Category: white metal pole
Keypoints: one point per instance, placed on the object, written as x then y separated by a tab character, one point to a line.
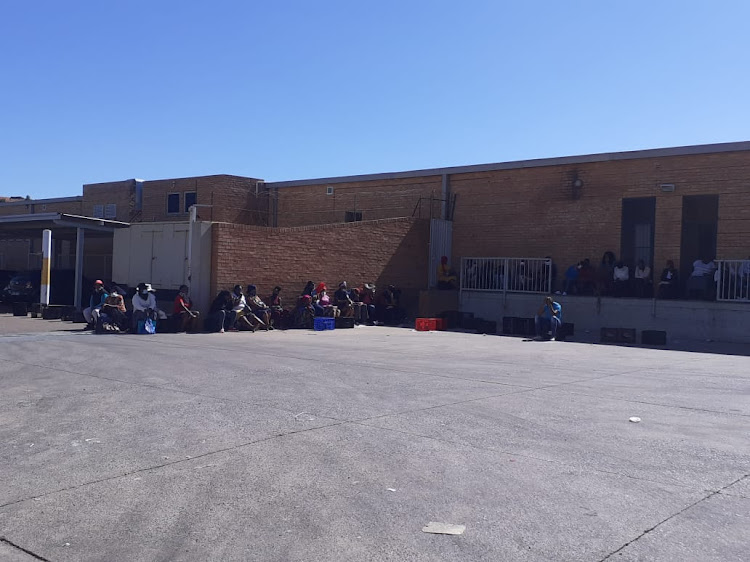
193	215
46	263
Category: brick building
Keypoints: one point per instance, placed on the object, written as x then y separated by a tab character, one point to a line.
675	203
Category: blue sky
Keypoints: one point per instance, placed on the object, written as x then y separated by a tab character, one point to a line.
99	91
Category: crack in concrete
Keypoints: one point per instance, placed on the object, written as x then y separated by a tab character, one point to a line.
4	540
683	510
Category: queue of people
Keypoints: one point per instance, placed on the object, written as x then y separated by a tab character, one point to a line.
240	309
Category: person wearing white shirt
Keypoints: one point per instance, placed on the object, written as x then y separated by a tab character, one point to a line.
144	305
642	279
621	276
701	282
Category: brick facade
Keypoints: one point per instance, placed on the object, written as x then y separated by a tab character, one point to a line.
388	251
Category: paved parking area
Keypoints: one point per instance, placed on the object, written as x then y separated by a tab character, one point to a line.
299	446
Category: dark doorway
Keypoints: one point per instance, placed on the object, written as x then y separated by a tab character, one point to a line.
700	217
637	232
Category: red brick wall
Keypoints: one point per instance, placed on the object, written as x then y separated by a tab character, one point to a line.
120	193
309	204
530	211
384	252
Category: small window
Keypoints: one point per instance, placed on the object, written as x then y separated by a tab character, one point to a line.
329	190
110	211
353	216
190	199
173	204
98	211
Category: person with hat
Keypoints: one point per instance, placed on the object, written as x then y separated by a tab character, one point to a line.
144	305
367	294
98	296
343	301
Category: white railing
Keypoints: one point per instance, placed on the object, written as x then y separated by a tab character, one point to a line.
514	275
733	280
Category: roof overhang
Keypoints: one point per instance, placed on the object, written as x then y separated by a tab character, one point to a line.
60	223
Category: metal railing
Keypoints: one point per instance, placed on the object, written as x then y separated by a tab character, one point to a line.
733	280
512	275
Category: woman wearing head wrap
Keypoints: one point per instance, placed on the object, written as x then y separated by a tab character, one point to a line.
258	309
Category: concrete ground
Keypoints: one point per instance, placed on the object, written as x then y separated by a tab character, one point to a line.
343	445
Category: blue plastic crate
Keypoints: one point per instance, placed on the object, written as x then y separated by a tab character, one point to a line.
322	323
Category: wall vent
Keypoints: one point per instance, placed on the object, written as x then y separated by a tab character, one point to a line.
667	187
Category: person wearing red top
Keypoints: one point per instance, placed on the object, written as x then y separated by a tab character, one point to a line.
185	317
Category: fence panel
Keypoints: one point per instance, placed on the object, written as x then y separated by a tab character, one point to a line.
515	275
733	280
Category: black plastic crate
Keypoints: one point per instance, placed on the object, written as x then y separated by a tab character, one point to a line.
509	325
20	309
653	337
566	330
486	326
344	323
609	335
626	335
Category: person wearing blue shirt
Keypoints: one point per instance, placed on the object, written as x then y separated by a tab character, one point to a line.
98	296
548	319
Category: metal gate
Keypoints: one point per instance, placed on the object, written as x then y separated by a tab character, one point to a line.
441	240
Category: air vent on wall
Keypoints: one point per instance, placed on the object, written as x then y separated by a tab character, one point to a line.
667	187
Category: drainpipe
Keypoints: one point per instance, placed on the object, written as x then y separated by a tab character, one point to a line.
193	218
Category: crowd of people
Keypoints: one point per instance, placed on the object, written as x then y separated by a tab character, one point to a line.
237	310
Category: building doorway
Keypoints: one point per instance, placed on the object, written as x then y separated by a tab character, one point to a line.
700	219
637	232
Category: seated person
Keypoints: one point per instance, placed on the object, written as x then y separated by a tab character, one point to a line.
359	307
98	296
309	289
389	306
446	275
324	303
669	282
185	317
304	313
144	306
621	279
586	279
259	312
700	284
112	316
548	319
238	314
571	278
278	314
343	301
642	279
218	314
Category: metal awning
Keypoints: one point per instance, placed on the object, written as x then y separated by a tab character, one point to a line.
64	225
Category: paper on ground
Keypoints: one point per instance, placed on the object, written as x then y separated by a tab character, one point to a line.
443	528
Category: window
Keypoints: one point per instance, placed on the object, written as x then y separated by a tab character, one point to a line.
173	203
353	216
637	230
190	200
98	211
110	211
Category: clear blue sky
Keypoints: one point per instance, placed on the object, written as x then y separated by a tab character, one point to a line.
96	91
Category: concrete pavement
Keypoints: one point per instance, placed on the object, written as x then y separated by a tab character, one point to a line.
342	445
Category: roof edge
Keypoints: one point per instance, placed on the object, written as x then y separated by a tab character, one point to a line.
533	163
73	199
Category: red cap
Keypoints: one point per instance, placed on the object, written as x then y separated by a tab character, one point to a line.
98	282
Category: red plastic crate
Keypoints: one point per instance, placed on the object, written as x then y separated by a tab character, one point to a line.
427	324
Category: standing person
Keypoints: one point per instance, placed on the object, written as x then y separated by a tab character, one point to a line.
548	319
144	306
185	317
605	274
571	279
98	296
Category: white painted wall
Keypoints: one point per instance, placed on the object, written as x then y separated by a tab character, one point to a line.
682	320
156	253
